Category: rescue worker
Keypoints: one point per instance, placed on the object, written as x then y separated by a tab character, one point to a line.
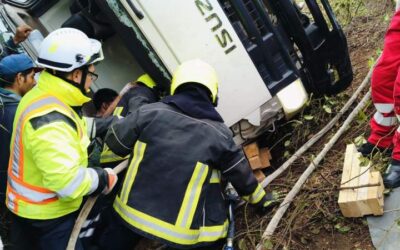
384	87
16	79
48	174
179	150
143	91
102	100
134	95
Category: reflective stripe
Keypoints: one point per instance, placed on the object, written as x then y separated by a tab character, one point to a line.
108	156
87	233
87	223
138	153
90	127
95	180
16	157
215	176
118	111
11	201
192	195
384	107
74	184
256	196
18	189
384	121
28	193
168	231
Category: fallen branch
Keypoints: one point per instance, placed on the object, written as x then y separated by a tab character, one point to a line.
87	207
303	178
317	136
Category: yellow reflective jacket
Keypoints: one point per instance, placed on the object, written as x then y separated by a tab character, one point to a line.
47	173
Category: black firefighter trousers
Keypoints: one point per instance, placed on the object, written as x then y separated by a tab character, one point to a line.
42	234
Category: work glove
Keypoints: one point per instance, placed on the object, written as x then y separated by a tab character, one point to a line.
107	180
368	149
271	200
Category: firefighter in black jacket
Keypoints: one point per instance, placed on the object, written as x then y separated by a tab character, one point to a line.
179	150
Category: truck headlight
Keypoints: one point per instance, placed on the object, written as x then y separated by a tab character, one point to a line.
292	98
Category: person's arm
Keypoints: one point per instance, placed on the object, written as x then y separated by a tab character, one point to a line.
114	104
135	98
98	126
122	135
21	34
61	164
236	169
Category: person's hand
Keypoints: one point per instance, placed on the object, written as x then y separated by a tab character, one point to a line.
112	180
271	200
126	88
22	33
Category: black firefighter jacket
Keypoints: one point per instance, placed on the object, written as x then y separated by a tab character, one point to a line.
172	190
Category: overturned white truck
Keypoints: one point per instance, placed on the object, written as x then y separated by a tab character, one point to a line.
269	55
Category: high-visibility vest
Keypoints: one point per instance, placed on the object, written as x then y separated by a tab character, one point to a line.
48	178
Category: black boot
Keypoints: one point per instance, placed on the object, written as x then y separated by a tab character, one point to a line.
368	149
391	178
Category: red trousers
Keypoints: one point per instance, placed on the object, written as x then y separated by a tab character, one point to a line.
385	86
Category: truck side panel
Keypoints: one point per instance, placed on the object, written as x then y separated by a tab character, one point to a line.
200	29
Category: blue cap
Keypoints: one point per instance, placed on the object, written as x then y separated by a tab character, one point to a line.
14	64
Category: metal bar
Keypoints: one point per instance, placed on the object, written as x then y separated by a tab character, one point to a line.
267	22
255	37
135	10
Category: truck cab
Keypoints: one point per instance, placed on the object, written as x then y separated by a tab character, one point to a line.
269	55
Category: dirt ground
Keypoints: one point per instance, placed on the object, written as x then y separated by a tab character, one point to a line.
314	220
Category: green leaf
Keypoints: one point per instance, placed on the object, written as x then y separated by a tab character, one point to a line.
242	244
268	244
359	140
286	154
315	230
327	109
386	18
364	161
361	117
371	62
387	191
342	229
287	143
398	222
308	117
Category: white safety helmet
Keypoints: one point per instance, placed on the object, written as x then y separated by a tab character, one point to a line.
66	49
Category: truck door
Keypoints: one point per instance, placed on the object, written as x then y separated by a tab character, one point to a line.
326	66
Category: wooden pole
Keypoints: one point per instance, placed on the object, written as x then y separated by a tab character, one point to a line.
317	136
87	207
303	178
